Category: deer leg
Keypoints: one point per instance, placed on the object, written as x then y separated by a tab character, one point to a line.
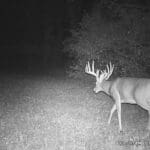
117	106
111	113
119	115
116	96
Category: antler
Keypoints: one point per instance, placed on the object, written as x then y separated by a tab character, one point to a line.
90	70
109	71
105	74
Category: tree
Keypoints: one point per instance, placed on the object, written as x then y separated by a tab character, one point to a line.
118	35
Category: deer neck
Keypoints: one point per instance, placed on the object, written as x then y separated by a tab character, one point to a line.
106	85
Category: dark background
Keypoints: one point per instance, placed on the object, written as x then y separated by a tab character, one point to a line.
32	31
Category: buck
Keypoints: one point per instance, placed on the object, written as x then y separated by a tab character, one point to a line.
122	90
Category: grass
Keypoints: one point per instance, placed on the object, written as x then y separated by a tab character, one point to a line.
54	113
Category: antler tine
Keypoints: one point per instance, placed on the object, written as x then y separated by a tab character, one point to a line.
110	69
93	70
90	70
88	66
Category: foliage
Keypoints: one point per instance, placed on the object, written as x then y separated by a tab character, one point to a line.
120	36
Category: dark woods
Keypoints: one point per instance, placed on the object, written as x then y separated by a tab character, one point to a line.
113	31
39	35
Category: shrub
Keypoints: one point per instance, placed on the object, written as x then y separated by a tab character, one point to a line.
119	38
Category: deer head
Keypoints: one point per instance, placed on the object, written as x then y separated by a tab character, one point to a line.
100	75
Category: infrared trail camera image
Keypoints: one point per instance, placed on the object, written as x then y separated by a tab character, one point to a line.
75	75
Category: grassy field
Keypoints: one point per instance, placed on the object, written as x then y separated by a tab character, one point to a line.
57	113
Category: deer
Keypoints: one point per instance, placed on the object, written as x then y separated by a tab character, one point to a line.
121	89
